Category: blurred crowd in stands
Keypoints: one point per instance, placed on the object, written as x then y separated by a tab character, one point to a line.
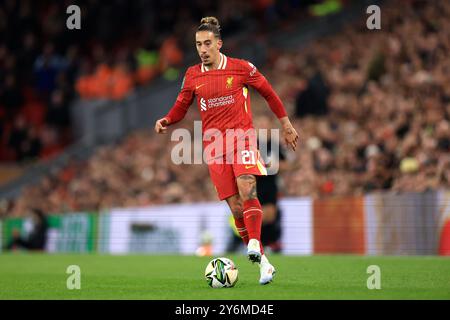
372	109
121	44
35	84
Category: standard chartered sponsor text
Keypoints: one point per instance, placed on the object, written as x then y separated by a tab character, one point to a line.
220	101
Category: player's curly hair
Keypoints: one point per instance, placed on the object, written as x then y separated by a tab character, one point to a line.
210	24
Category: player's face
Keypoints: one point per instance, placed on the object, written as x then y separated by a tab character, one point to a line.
208	47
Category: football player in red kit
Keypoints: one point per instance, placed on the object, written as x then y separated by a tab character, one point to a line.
220	85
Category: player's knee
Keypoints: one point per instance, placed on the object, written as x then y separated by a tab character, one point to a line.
246	195
247	187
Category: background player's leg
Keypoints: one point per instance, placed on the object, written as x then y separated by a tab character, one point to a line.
235	204
271	228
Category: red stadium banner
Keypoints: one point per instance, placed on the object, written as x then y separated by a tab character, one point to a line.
444	224
339	225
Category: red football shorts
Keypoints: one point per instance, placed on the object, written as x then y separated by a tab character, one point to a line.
246	160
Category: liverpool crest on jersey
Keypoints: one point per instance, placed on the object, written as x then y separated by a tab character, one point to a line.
229	82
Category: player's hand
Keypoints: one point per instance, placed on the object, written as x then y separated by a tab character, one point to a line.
290	136
161	125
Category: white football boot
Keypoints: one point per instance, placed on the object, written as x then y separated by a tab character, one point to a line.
267	271
254	251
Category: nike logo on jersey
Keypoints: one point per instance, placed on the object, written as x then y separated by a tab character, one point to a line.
198	87
248	167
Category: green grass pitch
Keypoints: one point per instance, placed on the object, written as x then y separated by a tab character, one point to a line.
43	276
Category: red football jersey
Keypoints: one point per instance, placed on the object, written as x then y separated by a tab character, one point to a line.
223	99
222	95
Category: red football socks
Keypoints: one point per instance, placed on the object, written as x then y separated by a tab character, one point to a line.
240	226
253	220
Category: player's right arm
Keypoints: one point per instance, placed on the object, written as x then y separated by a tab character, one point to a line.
181	106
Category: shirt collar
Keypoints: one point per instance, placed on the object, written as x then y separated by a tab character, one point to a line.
222	64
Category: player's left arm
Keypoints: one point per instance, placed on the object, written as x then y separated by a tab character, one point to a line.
260	83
